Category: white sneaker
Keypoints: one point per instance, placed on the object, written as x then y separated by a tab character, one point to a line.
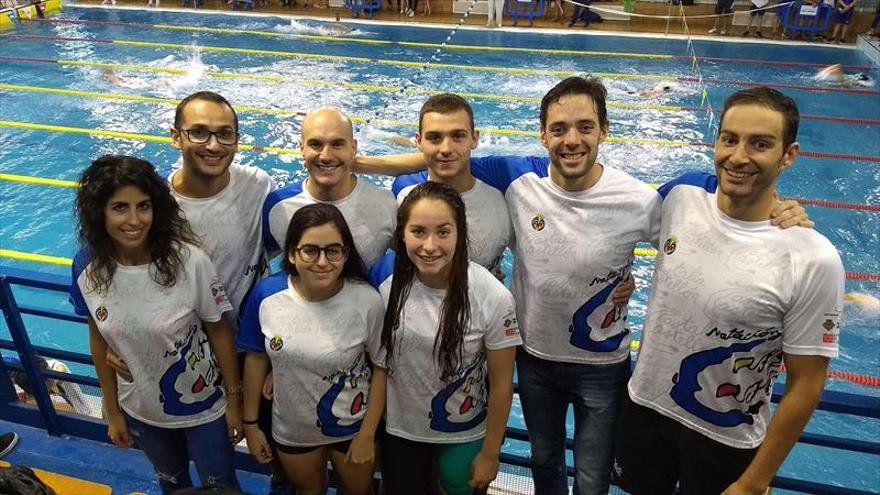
410	13
713	30
105	2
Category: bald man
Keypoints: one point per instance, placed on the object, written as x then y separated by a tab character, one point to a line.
328	151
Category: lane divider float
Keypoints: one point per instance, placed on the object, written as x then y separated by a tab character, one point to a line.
419	65
481	48
394	89
28	179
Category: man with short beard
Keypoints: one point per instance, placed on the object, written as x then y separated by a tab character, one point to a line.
733	299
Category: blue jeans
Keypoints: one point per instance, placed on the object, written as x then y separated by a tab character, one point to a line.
546	388
171	449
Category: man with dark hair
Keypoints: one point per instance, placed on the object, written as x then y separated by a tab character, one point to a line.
446	138
222	201
733	299
575	223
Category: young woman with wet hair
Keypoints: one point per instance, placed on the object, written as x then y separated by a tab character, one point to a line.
154	298
448	345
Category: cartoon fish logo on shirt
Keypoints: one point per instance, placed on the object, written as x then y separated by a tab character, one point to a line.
346	398
184	368
581	332
465	397
686	388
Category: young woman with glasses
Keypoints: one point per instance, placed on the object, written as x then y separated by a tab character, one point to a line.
448	345
313	323
153	297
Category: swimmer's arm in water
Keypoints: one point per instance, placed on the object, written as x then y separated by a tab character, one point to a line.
392	165
403	141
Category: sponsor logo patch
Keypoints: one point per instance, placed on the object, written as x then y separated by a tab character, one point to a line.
276	343
101	313
670	245
538	222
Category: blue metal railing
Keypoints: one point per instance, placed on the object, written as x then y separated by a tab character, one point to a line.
43	415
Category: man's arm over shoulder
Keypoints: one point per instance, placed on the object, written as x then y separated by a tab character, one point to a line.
392	165
500	171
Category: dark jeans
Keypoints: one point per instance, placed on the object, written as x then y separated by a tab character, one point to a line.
171	449
546	388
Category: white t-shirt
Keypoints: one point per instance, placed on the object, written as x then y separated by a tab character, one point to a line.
571	250
319	357
228	225
487	219
421	407
370	212
158	331
727	300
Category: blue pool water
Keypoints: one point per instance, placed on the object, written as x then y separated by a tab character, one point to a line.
38	218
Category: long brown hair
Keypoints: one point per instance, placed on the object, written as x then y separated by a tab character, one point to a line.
455	314
168	232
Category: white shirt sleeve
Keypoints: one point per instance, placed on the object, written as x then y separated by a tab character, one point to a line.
211	301
812	324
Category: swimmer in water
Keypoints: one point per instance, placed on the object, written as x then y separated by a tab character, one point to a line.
834	74
657	90
337	28
111	76
865	303
403	141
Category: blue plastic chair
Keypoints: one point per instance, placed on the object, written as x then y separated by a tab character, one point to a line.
359	6
528	9
797	24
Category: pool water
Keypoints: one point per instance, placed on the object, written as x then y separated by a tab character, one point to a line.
38	218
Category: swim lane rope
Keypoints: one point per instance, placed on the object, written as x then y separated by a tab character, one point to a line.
413	44
422	65
393	89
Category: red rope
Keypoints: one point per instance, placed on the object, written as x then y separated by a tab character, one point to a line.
867	380
863	276
835	204
814	89
826	118
818	154
771	62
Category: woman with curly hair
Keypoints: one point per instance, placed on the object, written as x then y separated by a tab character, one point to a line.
448	344
153	297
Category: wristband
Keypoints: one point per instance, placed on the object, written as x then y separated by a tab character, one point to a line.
246	422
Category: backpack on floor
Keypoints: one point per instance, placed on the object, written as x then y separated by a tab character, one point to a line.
21	480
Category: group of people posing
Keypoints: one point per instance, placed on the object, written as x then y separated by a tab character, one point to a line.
388	328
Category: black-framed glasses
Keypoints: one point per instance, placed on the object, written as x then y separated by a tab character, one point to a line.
333	252
200	135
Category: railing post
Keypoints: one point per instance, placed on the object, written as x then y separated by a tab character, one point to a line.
26	353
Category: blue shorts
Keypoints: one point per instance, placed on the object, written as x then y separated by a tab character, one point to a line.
724	6
844	17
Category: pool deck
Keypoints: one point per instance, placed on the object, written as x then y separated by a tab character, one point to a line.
633	25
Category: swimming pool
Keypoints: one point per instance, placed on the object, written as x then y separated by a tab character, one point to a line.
505	84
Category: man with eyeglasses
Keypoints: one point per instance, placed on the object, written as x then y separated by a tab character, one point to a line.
328	153
221	200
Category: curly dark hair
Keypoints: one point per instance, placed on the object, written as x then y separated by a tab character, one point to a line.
315	215
167	234
455	314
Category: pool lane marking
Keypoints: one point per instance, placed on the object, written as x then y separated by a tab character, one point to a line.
485	48
393	89
277	111
419	65
38	258
286	151
58	260
132	136
29	179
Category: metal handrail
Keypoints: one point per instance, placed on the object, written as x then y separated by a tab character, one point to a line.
45	416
